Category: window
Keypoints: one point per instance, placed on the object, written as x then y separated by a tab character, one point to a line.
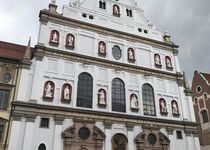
129	12
1	132
102	5
152	139
118	95
84	133
42	147
44	123
205	96
179	134
85	91
198	89
116	52
204	114
119	141
148	100
7	77
4	99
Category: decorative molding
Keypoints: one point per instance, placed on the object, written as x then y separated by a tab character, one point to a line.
108	124
170	130
30	117
129	127
59	120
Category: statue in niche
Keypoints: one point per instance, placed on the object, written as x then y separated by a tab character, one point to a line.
157	60
70	40
55	37
134	101
174	108
163	106
101	97
130	54
102	48
66	92
116	10
48	90
168	62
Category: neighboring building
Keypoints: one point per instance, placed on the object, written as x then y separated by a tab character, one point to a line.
102	78
201	100
13	57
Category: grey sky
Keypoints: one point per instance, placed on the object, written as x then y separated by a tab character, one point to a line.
187	21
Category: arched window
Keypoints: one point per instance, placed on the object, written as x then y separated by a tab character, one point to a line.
85	90
204	115
148	100
118	95
119	142
42	147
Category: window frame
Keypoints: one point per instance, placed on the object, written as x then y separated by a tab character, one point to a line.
85	81
3	100
179	137
118	95
48	124
41	145
2	123
147	94
205	119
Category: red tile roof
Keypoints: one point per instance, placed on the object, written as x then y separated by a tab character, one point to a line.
12	51
206	76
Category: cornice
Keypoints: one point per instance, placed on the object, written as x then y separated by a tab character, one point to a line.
38	109
46	16
42	51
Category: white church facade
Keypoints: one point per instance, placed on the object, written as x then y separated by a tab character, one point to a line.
103	78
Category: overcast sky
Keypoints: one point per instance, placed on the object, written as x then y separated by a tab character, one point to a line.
187	21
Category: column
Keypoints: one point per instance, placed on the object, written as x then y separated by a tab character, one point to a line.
57	132
196	141
130	136
29	130
108	133
15	132
190	142
171	137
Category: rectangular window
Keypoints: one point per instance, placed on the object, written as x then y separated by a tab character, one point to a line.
4	99
44	123
179	134
1	132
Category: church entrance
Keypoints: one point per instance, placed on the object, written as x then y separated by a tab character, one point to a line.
83	135
152	139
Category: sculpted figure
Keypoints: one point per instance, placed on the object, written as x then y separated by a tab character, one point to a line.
102	97
168	62
174	108
102	48
157	60
55	37
70	40
134	102
48	90
116	10
66	92
130	54
163	106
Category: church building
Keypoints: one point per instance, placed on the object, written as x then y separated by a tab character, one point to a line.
102	78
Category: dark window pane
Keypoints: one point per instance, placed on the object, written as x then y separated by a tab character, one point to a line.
148	100
179	134
205	116
4	99
1	132
44	123
116	52
84	133
118	95
42	147
85	91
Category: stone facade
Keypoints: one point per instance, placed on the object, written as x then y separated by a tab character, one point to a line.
201	100
95	84
12	60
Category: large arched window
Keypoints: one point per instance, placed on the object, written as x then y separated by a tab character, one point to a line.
118	95
205	117
119	142
42	147
148	100
85	90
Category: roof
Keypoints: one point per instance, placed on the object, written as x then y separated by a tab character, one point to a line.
206	77
12	51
